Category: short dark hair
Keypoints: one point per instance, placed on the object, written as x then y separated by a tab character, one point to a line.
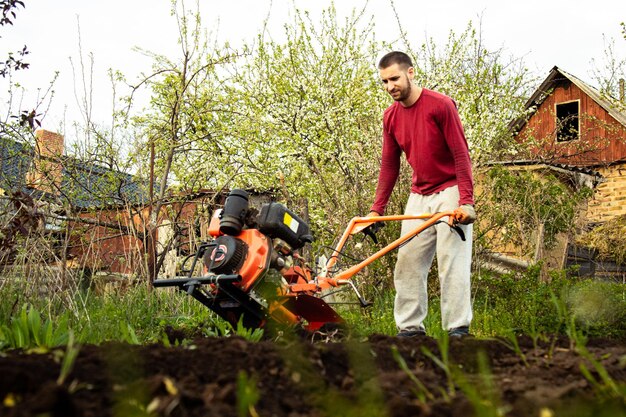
395	57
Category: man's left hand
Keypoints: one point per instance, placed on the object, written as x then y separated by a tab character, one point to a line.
463	215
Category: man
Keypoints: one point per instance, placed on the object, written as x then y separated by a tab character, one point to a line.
426	126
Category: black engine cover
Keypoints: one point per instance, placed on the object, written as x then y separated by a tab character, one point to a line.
277	221
225	255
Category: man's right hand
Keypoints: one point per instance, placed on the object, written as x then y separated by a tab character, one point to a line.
373	228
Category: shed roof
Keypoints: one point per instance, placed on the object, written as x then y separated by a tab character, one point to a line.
557	75
580	175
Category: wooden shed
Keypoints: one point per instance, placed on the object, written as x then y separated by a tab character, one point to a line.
576	134
569	122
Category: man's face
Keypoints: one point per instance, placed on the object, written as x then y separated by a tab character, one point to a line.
397	81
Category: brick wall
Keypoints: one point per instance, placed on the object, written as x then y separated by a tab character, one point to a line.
49	143
46	172
609	198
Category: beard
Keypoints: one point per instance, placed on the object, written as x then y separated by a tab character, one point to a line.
404	92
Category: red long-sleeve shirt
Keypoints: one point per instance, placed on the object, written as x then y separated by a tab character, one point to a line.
430	134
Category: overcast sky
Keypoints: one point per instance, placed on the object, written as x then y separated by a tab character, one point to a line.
567	33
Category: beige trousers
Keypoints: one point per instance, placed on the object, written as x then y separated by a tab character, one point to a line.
454	258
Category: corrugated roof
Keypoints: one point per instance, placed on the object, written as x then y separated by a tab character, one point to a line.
15	159
83	184
587	176
528	162
91	185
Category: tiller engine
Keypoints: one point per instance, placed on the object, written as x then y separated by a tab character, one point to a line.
253	272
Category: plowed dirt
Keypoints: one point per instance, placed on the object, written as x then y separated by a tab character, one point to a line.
301	378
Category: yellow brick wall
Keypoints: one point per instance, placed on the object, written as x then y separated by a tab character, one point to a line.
609	198
46	172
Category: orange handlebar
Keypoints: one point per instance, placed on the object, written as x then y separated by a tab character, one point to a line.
356	225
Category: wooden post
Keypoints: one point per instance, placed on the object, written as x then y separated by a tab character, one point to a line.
539	250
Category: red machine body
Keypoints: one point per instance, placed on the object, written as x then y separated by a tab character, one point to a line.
253	272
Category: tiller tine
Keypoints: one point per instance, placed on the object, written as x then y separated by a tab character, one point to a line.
312	309
226	299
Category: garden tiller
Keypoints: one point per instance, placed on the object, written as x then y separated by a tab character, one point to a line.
253	272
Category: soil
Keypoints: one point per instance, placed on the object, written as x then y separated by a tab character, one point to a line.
215	376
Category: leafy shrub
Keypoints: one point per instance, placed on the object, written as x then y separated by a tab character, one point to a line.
519	302
517	204
27	331
600	307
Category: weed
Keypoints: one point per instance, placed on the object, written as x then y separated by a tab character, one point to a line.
220	328
252	335
443	342
568	320
125	370
604	385
366	398
165	340
482	392
127	334
535	334
69	358
510	341
27	331
420	391
247	395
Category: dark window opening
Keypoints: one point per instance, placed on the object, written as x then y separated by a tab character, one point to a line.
567	121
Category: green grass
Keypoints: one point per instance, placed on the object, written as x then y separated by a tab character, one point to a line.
136	315
26	330
516	304
504	306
